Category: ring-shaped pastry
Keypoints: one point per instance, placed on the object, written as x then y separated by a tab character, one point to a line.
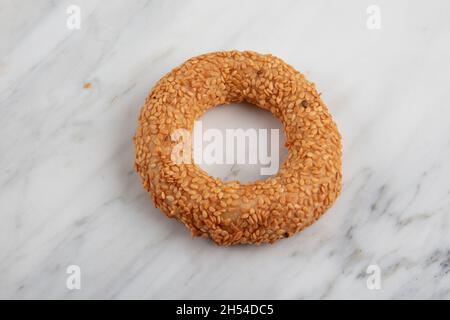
231	212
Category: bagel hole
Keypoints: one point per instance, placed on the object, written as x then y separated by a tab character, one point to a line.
239	122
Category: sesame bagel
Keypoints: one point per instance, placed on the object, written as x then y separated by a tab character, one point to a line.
231	212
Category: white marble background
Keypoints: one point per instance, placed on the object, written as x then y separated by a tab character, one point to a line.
69	195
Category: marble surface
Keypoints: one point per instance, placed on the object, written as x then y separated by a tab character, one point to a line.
69	195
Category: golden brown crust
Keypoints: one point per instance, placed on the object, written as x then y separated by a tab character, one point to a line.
230	212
